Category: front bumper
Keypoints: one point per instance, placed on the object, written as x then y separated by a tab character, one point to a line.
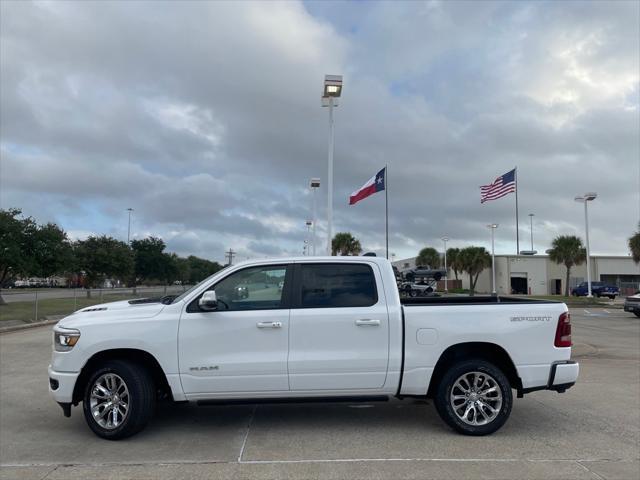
632	307
61	385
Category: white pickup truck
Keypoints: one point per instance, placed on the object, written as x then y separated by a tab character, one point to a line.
309	329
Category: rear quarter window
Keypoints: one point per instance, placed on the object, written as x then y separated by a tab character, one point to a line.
337	285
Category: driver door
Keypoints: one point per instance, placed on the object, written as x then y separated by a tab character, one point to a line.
242	346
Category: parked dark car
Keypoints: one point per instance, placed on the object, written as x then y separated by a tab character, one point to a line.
632	304
598	289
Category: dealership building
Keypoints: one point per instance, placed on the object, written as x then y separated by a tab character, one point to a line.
538	275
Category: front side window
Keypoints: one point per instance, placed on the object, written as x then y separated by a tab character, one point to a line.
255	288
337	285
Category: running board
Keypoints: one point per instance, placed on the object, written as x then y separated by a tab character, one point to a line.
258	401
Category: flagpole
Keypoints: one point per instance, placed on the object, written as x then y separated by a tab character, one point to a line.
517	224
386	205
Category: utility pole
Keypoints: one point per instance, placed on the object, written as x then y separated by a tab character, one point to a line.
230	254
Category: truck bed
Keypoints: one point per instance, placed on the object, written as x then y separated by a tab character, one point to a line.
469	300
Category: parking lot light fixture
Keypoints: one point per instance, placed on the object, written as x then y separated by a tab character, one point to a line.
332	91
314	183
129	227
531	215
445	239
493	227
586	198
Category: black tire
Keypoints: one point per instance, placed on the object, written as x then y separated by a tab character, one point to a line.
637	314
443	393
142	399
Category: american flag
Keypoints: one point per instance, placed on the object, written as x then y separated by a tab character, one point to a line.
499	188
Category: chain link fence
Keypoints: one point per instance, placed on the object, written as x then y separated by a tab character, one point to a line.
35	305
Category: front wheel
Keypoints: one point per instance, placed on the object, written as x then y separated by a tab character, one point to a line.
119	399
474	397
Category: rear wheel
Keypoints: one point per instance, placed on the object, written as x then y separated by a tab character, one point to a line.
474	397
119	399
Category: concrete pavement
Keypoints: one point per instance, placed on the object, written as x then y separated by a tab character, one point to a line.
592	431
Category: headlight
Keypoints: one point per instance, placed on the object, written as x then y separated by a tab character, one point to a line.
65	339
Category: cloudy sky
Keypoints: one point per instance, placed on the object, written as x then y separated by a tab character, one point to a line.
205	118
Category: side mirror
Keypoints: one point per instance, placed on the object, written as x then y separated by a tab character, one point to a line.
208	301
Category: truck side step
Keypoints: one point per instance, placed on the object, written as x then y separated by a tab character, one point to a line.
259	401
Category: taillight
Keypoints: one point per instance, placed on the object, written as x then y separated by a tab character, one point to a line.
563	331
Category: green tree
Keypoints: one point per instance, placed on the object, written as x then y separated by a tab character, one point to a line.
345	244
103	257
199	268
16	245
52	251
567	249
183	270
428	256
453	260
474	260
634	245
150	261
169	267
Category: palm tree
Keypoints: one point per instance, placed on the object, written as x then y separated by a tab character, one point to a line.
567	249
634	245
474	260
453	260
428	256
345	244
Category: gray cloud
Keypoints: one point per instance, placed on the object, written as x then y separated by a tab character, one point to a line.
205	118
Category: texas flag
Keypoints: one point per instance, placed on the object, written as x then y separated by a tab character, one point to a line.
373	185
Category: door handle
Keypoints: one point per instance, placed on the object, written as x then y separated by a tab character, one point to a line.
367	323
269	324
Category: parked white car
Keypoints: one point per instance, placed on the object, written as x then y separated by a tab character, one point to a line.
337	330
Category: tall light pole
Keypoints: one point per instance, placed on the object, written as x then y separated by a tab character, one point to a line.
314	184
586	198
493	227
445	239
332	91
129	227
308	223
531	215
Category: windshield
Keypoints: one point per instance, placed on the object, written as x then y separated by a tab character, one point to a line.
187	292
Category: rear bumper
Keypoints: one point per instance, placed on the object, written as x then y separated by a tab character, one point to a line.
562	376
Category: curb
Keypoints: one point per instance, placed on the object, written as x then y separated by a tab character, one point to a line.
26	326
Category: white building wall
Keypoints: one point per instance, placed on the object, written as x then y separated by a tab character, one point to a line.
541	272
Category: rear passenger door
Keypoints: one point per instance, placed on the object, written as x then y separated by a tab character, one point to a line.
339	328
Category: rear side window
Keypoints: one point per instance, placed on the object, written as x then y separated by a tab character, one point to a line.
337	285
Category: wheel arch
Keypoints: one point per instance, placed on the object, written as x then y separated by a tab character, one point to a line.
137	356
487	351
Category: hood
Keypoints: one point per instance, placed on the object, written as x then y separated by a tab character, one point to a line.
113	310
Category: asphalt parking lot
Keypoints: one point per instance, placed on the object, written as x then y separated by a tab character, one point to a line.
590	432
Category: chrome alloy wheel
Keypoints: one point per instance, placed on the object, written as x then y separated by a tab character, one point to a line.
476	398
109	401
